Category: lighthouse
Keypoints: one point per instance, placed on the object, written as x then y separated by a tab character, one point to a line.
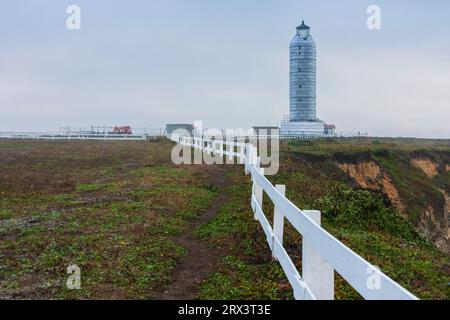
302	120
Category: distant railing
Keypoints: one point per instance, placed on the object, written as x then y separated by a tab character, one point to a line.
74	136
322	254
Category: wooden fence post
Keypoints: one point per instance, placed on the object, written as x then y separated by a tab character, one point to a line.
247	158
278	218
317	273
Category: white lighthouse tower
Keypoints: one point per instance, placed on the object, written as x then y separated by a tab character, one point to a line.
302	121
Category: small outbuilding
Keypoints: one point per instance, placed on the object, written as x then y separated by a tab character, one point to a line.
330	130
186	127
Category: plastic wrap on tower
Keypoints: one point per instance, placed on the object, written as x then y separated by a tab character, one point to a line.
302	76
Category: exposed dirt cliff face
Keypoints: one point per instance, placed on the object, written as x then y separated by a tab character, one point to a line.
370	176
426	165
435	229
431	224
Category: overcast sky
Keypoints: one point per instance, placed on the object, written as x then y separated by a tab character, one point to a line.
226	62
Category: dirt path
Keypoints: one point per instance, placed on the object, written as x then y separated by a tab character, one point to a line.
200	260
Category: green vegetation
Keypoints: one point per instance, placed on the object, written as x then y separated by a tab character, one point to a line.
96	187
368	224
365	220
350	146
365	210
246	270
5	214
245	282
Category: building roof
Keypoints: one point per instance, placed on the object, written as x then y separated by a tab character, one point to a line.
180	124
265	127
303	26
330	126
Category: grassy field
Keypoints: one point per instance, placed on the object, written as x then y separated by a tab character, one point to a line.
110	208
132	221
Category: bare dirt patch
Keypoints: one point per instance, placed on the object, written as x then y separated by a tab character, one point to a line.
427	166
201	259
369	175
435	230
439	231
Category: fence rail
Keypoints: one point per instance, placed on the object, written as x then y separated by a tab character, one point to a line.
322	253
74	136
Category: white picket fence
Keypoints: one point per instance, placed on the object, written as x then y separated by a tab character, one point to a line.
322	254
